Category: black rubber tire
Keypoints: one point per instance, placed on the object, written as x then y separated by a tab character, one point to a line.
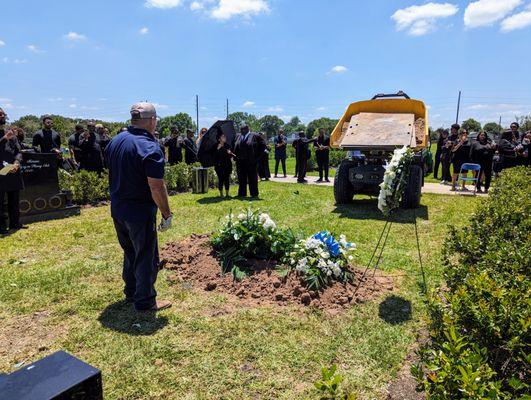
343	190
411	197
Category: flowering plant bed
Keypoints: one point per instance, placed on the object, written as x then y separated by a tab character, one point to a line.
395	180
193	262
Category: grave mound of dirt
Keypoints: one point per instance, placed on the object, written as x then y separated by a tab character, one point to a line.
194	261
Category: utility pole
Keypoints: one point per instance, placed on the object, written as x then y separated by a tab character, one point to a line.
458	106
227	108
197	114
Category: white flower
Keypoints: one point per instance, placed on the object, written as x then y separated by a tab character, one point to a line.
236	237
241	217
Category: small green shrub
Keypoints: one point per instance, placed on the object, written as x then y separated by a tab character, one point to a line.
86	187
178	177
329	386
336	156
487	268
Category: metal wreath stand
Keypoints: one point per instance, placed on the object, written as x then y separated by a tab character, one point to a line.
380	246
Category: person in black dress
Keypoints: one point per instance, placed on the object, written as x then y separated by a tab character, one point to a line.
460	156
10	184
92	158
280	142
174	146
190	148
322	154
263	163
443	134
303	154
248	148
47	140
509	148
482	153
446	157
223	163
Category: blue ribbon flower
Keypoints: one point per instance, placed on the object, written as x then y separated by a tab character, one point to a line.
330	242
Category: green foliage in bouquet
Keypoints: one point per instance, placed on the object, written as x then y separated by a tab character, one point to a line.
250	235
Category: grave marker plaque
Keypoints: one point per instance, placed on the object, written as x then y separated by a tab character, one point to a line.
42	198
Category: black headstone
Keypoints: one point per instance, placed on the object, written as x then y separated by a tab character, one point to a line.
59	376
42	198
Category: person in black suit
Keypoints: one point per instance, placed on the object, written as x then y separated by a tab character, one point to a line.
248	149
10	184
47	140
322	154
174	145
303	154
92	156
443	135
190	148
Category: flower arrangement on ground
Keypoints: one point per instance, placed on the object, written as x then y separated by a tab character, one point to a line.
251	234
395	180
321	259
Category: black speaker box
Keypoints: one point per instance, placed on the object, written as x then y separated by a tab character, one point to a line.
59	376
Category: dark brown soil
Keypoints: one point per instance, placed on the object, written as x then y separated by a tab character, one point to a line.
403	387
194	261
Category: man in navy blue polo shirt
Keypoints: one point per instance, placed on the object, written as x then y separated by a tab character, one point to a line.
136	172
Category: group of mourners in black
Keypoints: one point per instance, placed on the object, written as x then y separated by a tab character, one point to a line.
251	155
455	148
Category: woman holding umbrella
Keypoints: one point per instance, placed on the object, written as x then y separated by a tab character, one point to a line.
223	163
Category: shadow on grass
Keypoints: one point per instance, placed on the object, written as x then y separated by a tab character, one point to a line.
217	199
368	209
122	317
395	310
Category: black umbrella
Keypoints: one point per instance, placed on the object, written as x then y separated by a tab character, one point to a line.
208	143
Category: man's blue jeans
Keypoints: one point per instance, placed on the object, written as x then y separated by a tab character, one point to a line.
141	260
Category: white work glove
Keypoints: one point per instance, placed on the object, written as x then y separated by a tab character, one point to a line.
165	224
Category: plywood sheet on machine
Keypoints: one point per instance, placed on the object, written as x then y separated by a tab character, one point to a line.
368	130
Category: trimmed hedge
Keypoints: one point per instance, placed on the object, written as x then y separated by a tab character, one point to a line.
479	326
89	187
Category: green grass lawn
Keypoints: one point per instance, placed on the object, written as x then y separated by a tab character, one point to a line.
60	288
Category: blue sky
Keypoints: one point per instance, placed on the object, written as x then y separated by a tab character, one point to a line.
285	57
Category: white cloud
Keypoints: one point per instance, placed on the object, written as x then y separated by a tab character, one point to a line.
420	20
195	5
5	100
478	107
2	43
320	108
517	21
275	109
162	3
7	60
73	106
143	31
55	99
338	69
226	9
160	106
34	49
486	12
74	37
248	104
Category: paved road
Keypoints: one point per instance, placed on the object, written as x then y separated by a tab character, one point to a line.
429	187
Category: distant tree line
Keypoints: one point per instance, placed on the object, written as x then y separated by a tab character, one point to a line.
270	124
